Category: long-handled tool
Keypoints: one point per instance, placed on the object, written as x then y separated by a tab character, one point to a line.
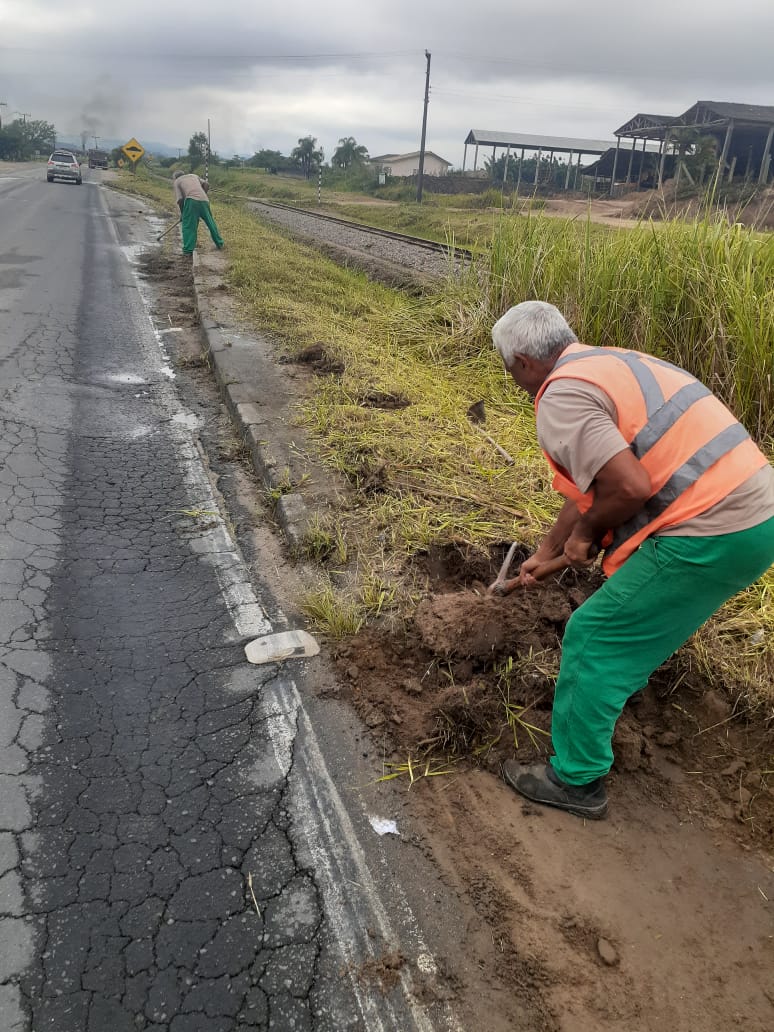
477	415
503	585
169	230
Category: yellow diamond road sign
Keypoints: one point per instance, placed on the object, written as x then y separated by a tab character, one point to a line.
133	150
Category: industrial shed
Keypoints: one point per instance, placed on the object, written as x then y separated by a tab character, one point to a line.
744	134
543	146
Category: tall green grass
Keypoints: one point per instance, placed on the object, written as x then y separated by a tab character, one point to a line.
699	294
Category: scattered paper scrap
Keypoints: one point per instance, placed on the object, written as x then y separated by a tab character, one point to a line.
384	827
272	648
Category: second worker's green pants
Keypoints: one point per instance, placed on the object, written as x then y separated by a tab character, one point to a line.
192	212
649	607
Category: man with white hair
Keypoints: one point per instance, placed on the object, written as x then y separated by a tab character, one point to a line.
658	474
193	202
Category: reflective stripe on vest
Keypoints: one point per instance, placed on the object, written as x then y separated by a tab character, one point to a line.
644	425
681	479
651	392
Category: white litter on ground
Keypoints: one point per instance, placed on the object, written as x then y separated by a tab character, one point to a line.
383	827
272	648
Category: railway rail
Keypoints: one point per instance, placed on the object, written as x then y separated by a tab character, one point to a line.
396	259
449	250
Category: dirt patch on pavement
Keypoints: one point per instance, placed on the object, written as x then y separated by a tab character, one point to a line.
383	971
663	916
174	304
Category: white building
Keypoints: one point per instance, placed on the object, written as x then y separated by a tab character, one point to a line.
408	164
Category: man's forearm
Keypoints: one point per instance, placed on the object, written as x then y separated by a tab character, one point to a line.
607	514
621	489
553	543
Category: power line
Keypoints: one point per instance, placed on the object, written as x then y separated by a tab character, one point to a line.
214	56
533	99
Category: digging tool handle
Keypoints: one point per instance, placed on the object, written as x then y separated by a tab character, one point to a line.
548	569
540	573
169	230
508	458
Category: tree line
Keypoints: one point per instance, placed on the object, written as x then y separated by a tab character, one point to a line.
20	140
307	157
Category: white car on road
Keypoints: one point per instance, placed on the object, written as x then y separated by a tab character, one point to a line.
63	165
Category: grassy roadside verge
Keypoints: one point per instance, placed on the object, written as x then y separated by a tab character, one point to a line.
421	473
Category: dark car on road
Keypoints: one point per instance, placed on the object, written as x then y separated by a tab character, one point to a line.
63	165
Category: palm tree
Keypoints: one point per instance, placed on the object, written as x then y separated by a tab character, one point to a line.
348	153
307	155
697	152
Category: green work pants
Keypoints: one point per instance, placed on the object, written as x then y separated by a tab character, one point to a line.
192	212
649	607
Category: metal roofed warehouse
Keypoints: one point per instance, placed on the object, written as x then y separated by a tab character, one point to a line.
574	147
743	133
514	141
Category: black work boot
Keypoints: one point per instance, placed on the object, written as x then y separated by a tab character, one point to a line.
541	784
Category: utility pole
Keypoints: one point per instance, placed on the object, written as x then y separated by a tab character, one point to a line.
3	103
424	131
209	148
96	142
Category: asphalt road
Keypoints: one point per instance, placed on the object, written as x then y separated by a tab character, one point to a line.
174	851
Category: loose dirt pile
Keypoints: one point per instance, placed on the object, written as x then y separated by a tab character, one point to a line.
468	625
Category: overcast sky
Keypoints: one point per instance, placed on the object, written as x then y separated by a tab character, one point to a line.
267	75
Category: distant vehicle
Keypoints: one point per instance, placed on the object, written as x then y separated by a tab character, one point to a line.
63	165
98	159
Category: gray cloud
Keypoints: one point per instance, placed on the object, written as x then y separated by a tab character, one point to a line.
270	76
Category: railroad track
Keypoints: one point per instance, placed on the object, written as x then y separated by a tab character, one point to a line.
459	253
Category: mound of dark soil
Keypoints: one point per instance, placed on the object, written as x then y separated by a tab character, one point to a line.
468	625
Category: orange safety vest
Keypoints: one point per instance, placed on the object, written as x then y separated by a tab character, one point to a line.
693	448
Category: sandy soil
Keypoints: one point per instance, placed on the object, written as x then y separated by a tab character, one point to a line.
629	209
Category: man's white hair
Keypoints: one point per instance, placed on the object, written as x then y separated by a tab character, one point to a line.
177	173
533	328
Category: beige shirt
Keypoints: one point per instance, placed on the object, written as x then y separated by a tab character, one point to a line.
189	185
577	425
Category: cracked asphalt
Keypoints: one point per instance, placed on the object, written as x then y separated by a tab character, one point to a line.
173	854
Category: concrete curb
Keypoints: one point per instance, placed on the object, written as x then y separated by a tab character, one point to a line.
232	357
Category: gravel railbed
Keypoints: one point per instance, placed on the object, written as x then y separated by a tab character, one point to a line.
349	240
